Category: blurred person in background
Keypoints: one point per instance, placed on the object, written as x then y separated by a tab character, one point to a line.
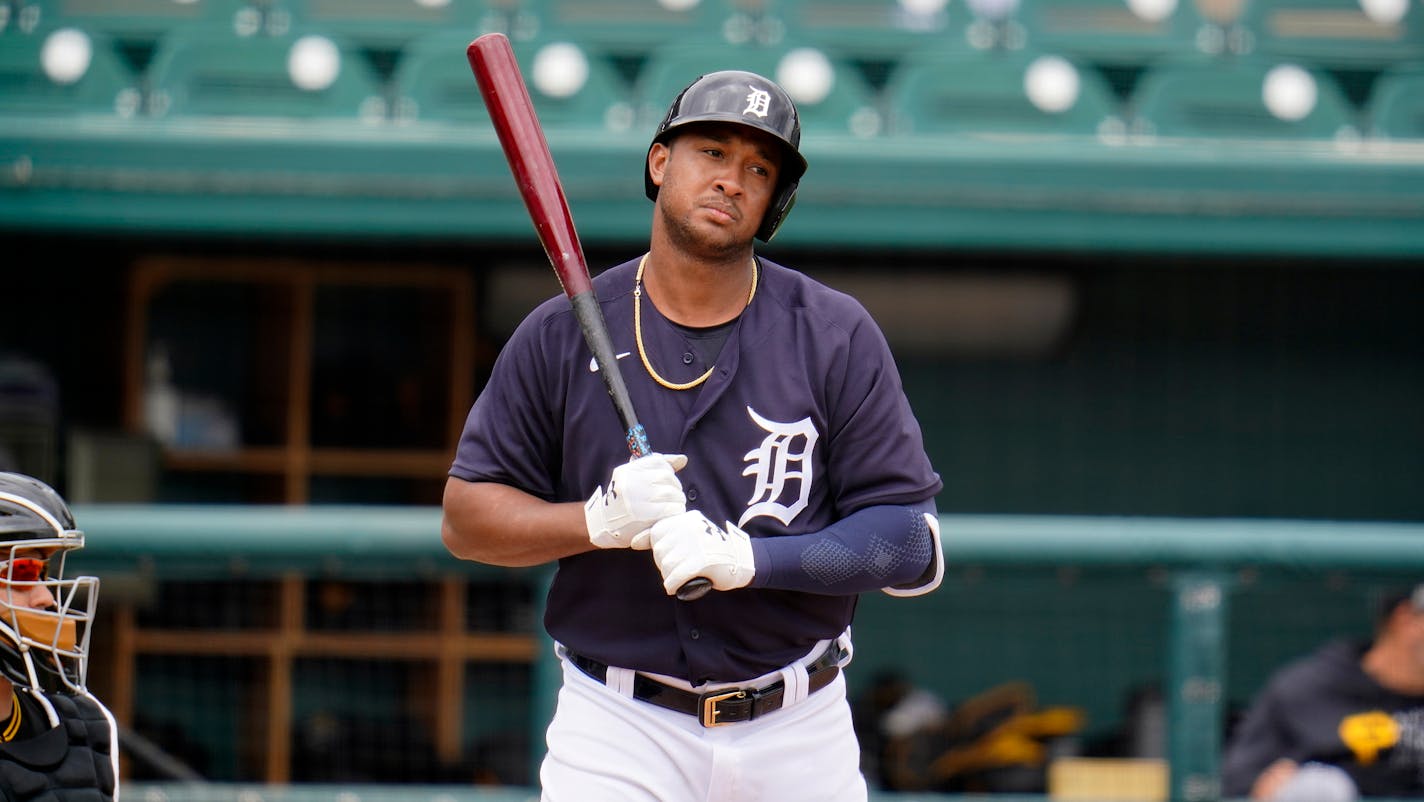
57	742
1344	722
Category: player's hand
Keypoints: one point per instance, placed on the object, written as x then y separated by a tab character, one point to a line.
1273	779
689	545
640	493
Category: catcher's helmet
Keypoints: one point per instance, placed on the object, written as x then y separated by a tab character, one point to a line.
749	99
47	648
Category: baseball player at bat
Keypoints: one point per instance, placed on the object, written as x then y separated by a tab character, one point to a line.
1344	722
791	474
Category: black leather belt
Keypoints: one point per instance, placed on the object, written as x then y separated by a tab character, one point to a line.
725	705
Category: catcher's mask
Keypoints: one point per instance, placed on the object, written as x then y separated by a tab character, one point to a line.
748	99
45	619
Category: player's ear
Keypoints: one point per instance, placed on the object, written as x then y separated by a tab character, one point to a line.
657	162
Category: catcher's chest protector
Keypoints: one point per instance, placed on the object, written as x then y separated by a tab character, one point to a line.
69	763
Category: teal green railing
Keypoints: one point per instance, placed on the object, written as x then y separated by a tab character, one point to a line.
1200	568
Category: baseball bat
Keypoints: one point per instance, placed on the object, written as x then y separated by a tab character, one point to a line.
527	151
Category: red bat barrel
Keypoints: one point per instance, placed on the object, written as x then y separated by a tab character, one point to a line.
512	112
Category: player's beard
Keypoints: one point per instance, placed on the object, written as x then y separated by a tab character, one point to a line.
684	234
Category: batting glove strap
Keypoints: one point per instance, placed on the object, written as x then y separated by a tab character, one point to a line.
638	494
689	545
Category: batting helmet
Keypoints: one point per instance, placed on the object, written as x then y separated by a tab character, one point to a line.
748	99
41	648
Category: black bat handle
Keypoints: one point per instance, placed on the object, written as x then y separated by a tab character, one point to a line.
595	333
694	589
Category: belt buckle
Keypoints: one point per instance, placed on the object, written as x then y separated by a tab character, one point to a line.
710	711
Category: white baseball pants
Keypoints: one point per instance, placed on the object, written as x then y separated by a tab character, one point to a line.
607	747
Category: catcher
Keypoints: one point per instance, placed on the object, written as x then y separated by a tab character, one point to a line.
57	742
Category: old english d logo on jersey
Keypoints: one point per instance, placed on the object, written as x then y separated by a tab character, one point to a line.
782	468
758	102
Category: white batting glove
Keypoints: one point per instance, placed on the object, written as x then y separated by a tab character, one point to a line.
639	493
689	545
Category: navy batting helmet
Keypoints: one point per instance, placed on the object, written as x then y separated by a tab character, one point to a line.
41	647
748	99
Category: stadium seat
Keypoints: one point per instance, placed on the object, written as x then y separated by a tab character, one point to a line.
629	28
1109	31
103	85
143	19
1018	92
1215	97
217	73
1396	105
394	23
1335	33
846	106
871	30
433	82
20	16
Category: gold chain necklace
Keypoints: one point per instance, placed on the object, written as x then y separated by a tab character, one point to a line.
638	329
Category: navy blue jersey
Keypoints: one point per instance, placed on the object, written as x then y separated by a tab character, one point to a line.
802	422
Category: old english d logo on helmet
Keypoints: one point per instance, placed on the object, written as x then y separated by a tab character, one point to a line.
748	99
757	102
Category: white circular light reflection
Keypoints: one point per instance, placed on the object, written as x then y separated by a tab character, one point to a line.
313	63
1052	84
679	5
924	7
1289	92
560	70
1152	10
1385	12
432	3
806	75
66	55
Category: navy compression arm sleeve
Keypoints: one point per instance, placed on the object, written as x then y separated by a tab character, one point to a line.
874	548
